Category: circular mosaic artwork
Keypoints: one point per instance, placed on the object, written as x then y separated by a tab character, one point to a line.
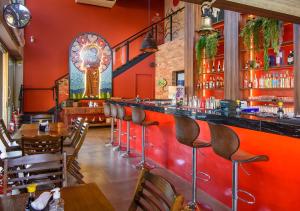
90	51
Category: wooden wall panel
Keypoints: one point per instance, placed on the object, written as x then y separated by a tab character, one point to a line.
297	67
231	55
279	9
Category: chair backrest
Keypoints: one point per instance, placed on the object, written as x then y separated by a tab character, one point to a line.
113	110
78	143
121	112
4	129
44	169
106	108
187	130
153	192
76	128
138	115
41	117
224	140
41	145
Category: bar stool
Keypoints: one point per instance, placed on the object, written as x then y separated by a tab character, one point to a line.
115	114
107	114
127	118
138	118
187	132
225	143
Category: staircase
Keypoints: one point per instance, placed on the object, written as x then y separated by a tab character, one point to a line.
126	54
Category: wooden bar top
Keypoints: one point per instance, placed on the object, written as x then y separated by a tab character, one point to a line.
77	198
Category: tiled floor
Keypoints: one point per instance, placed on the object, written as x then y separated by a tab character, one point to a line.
116	176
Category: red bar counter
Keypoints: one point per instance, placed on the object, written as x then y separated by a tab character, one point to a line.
275	183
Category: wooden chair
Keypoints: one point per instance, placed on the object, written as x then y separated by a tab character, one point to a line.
45	170
41	145
6	134
72	153
41	117
155	193
74	132
7	150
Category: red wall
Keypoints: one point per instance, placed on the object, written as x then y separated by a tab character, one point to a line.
55	23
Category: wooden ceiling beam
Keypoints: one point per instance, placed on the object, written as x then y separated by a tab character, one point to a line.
286	10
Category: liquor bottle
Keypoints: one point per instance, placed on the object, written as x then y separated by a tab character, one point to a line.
287	81
292	81
246	66
218	82
246	82
219	66
208	68
278	59
290	59
255	82
223	67
281	81
213	67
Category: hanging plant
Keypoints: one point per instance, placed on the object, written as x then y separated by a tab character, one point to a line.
271	32
210	44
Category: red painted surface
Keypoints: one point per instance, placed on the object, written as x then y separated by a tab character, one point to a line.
275	183
135	81
56	23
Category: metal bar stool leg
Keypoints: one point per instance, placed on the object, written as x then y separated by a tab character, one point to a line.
112	125
235	170
118	148
143	164
193	204
128	153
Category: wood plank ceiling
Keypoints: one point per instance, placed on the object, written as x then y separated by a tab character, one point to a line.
287	10
101	3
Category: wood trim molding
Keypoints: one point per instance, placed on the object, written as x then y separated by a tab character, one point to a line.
189	36
297	68
231	55
278	9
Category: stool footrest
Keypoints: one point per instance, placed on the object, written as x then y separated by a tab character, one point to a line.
251	196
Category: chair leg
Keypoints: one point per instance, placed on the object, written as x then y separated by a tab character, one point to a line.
235	169
193	204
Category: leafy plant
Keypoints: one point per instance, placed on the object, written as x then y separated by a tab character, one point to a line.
200	45
271	31
211	47
210	44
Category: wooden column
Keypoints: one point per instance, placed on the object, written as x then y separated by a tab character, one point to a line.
231	55
191	23
297	68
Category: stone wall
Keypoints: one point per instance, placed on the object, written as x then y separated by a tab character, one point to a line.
168	59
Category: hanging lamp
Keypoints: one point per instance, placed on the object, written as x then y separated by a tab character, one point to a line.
149	44
206	18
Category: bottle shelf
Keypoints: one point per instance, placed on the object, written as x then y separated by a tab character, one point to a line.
271	68
269	101
214	89
275	89
214	73
284	44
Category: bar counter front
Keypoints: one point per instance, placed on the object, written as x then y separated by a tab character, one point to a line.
268	181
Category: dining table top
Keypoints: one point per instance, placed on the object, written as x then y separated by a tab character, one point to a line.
58	129
76	198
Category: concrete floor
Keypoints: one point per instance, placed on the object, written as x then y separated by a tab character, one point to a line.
116	176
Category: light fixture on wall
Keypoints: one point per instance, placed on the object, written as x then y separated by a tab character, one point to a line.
16	15
206	18
149	44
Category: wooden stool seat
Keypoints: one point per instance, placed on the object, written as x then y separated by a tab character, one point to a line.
201	144
245	157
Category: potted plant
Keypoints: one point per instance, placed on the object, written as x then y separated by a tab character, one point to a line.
265	29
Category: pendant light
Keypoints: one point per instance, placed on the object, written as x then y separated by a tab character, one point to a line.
206	18
149	44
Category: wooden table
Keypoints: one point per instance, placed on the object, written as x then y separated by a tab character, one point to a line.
58	130
87	197
32	130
